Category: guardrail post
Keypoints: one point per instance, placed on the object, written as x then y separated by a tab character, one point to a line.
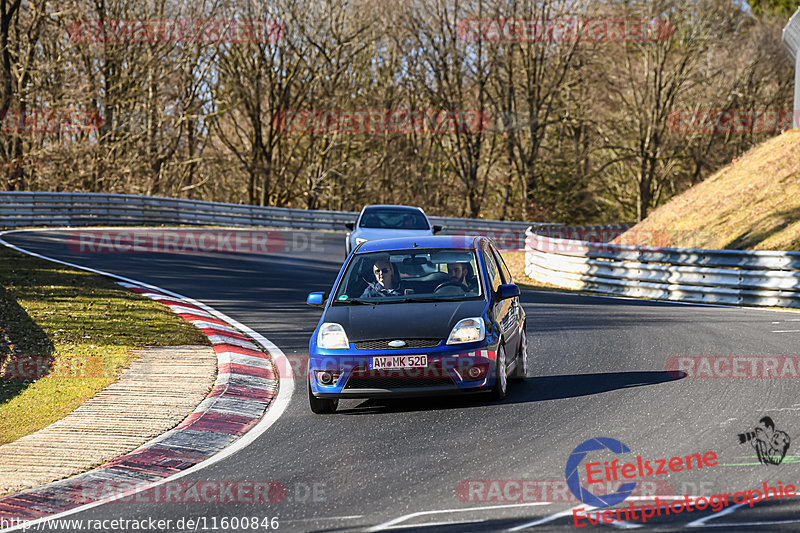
797	91
791	40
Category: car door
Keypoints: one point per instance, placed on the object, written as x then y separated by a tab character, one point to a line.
516	312
503	311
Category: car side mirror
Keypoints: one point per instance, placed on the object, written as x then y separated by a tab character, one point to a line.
350	225
317	299
509	290
437	228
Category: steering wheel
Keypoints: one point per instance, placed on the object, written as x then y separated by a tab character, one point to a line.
450	284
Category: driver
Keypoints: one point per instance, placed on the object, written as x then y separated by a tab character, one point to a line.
387	278
458	274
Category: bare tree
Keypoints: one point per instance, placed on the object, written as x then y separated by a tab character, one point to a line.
19	35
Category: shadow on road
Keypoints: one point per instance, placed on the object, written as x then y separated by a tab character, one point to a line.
531	390
575	385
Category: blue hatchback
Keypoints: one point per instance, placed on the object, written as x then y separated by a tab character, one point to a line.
417	316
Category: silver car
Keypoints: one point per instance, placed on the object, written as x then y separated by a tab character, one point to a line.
386	222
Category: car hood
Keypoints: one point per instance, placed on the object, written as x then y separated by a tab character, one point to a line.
424	320
373	234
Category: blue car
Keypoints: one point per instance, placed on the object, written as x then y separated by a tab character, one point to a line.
417	316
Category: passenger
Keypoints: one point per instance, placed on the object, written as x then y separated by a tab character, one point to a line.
387	277
461	273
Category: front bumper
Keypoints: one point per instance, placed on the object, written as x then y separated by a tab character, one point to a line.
447	372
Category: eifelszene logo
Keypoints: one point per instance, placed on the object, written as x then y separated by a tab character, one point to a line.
617	471
573	480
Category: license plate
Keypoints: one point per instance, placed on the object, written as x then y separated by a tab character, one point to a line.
398	361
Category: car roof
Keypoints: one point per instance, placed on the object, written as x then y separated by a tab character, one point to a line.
393	206
460	242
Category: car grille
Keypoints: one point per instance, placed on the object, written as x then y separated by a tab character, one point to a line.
362	378
383	344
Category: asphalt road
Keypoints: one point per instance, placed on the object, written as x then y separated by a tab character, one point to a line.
596	366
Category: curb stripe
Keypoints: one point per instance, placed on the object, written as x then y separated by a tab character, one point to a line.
245	387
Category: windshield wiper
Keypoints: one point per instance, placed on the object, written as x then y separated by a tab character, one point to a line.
354	301
426	299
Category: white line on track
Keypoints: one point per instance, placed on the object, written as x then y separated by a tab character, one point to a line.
677	302
743	524
544	520
400	519
701	522
620	524
786	331
326	518
274	411
443	523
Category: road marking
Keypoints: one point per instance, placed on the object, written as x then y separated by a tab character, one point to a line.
742	524
621	524
275	410
326	518
656	300
786	331
432	524
701	522
403	518
549	518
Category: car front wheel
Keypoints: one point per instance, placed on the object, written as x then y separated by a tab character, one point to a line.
521	370
321	406
501	379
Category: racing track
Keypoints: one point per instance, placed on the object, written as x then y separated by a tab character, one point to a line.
598	365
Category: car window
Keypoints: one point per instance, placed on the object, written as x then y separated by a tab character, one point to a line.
407	275
491	268
394	219
505	273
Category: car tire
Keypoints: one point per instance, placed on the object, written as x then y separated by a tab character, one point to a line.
521	370
501	378
321	406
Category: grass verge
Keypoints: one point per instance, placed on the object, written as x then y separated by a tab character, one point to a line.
65	335
752	204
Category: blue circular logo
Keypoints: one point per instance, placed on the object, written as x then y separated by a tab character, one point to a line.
574	482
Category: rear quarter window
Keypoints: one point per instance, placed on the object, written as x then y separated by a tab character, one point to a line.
504	271
491	268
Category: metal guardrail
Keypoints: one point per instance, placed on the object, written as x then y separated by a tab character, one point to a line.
712	276
23	209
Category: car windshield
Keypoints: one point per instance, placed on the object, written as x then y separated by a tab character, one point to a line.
394	219
409	275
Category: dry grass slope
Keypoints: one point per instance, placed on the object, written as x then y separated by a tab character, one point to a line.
752	204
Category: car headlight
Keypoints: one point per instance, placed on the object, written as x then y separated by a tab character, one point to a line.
331	336
360	240
467	330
